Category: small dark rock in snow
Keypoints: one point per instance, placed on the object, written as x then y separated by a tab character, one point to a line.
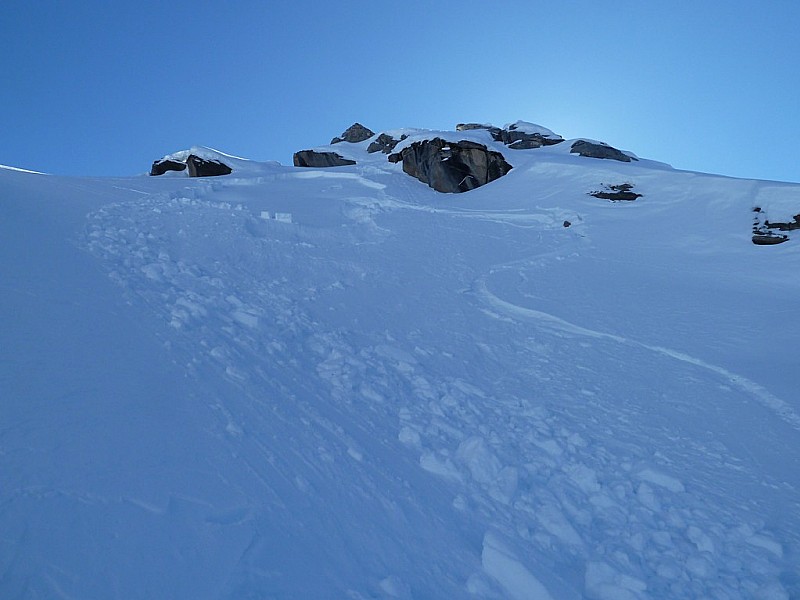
567	223
599	150
452	167
312	158
166	164
354	134
201	167
384	143
617	192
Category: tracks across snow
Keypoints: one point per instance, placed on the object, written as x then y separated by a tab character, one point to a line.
362	351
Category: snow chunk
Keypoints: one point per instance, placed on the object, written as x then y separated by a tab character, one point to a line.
603	582
475	454
499	562
660	479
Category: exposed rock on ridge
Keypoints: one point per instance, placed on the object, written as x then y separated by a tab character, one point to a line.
599	150
166	164
384	143
517	136
451	167
198	167
201	167
313	158
354	134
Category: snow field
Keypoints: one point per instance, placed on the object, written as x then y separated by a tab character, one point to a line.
404	395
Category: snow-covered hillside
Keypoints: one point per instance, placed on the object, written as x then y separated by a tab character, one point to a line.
339	383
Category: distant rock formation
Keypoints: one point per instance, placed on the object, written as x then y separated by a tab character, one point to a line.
599	150
451	167
354	134
165	164
384	143
312	158
201	167
198	167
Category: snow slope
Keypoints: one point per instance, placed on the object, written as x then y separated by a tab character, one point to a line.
397	393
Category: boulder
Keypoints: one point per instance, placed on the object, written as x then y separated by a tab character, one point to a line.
354	134
599	150
616	193
384	143
312	158
166	164
451	167
202	167
525	136
769	239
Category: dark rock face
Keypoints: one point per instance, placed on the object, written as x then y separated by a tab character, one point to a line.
312	158
201	167
452	167
592	150
384	143
617	193
354	134
517	139
162	166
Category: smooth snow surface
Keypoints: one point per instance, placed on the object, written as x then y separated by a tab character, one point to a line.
393	393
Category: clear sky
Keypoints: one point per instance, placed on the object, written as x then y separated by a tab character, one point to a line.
106	87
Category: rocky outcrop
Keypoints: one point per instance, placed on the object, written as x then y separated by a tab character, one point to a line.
526	136
354	134
616	193
384	143
312	158
197	166
202	167
166	164
451	167
599	150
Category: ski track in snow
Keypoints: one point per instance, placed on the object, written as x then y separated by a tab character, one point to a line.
778	406
562	488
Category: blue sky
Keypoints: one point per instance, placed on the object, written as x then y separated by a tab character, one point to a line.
104	88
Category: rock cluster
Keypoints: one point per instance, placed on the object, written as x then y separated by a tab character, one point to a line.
451	167
384	143
517	136
197	166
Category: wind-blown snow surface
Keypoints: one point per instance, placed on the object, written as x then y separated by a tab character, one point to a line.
398	394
